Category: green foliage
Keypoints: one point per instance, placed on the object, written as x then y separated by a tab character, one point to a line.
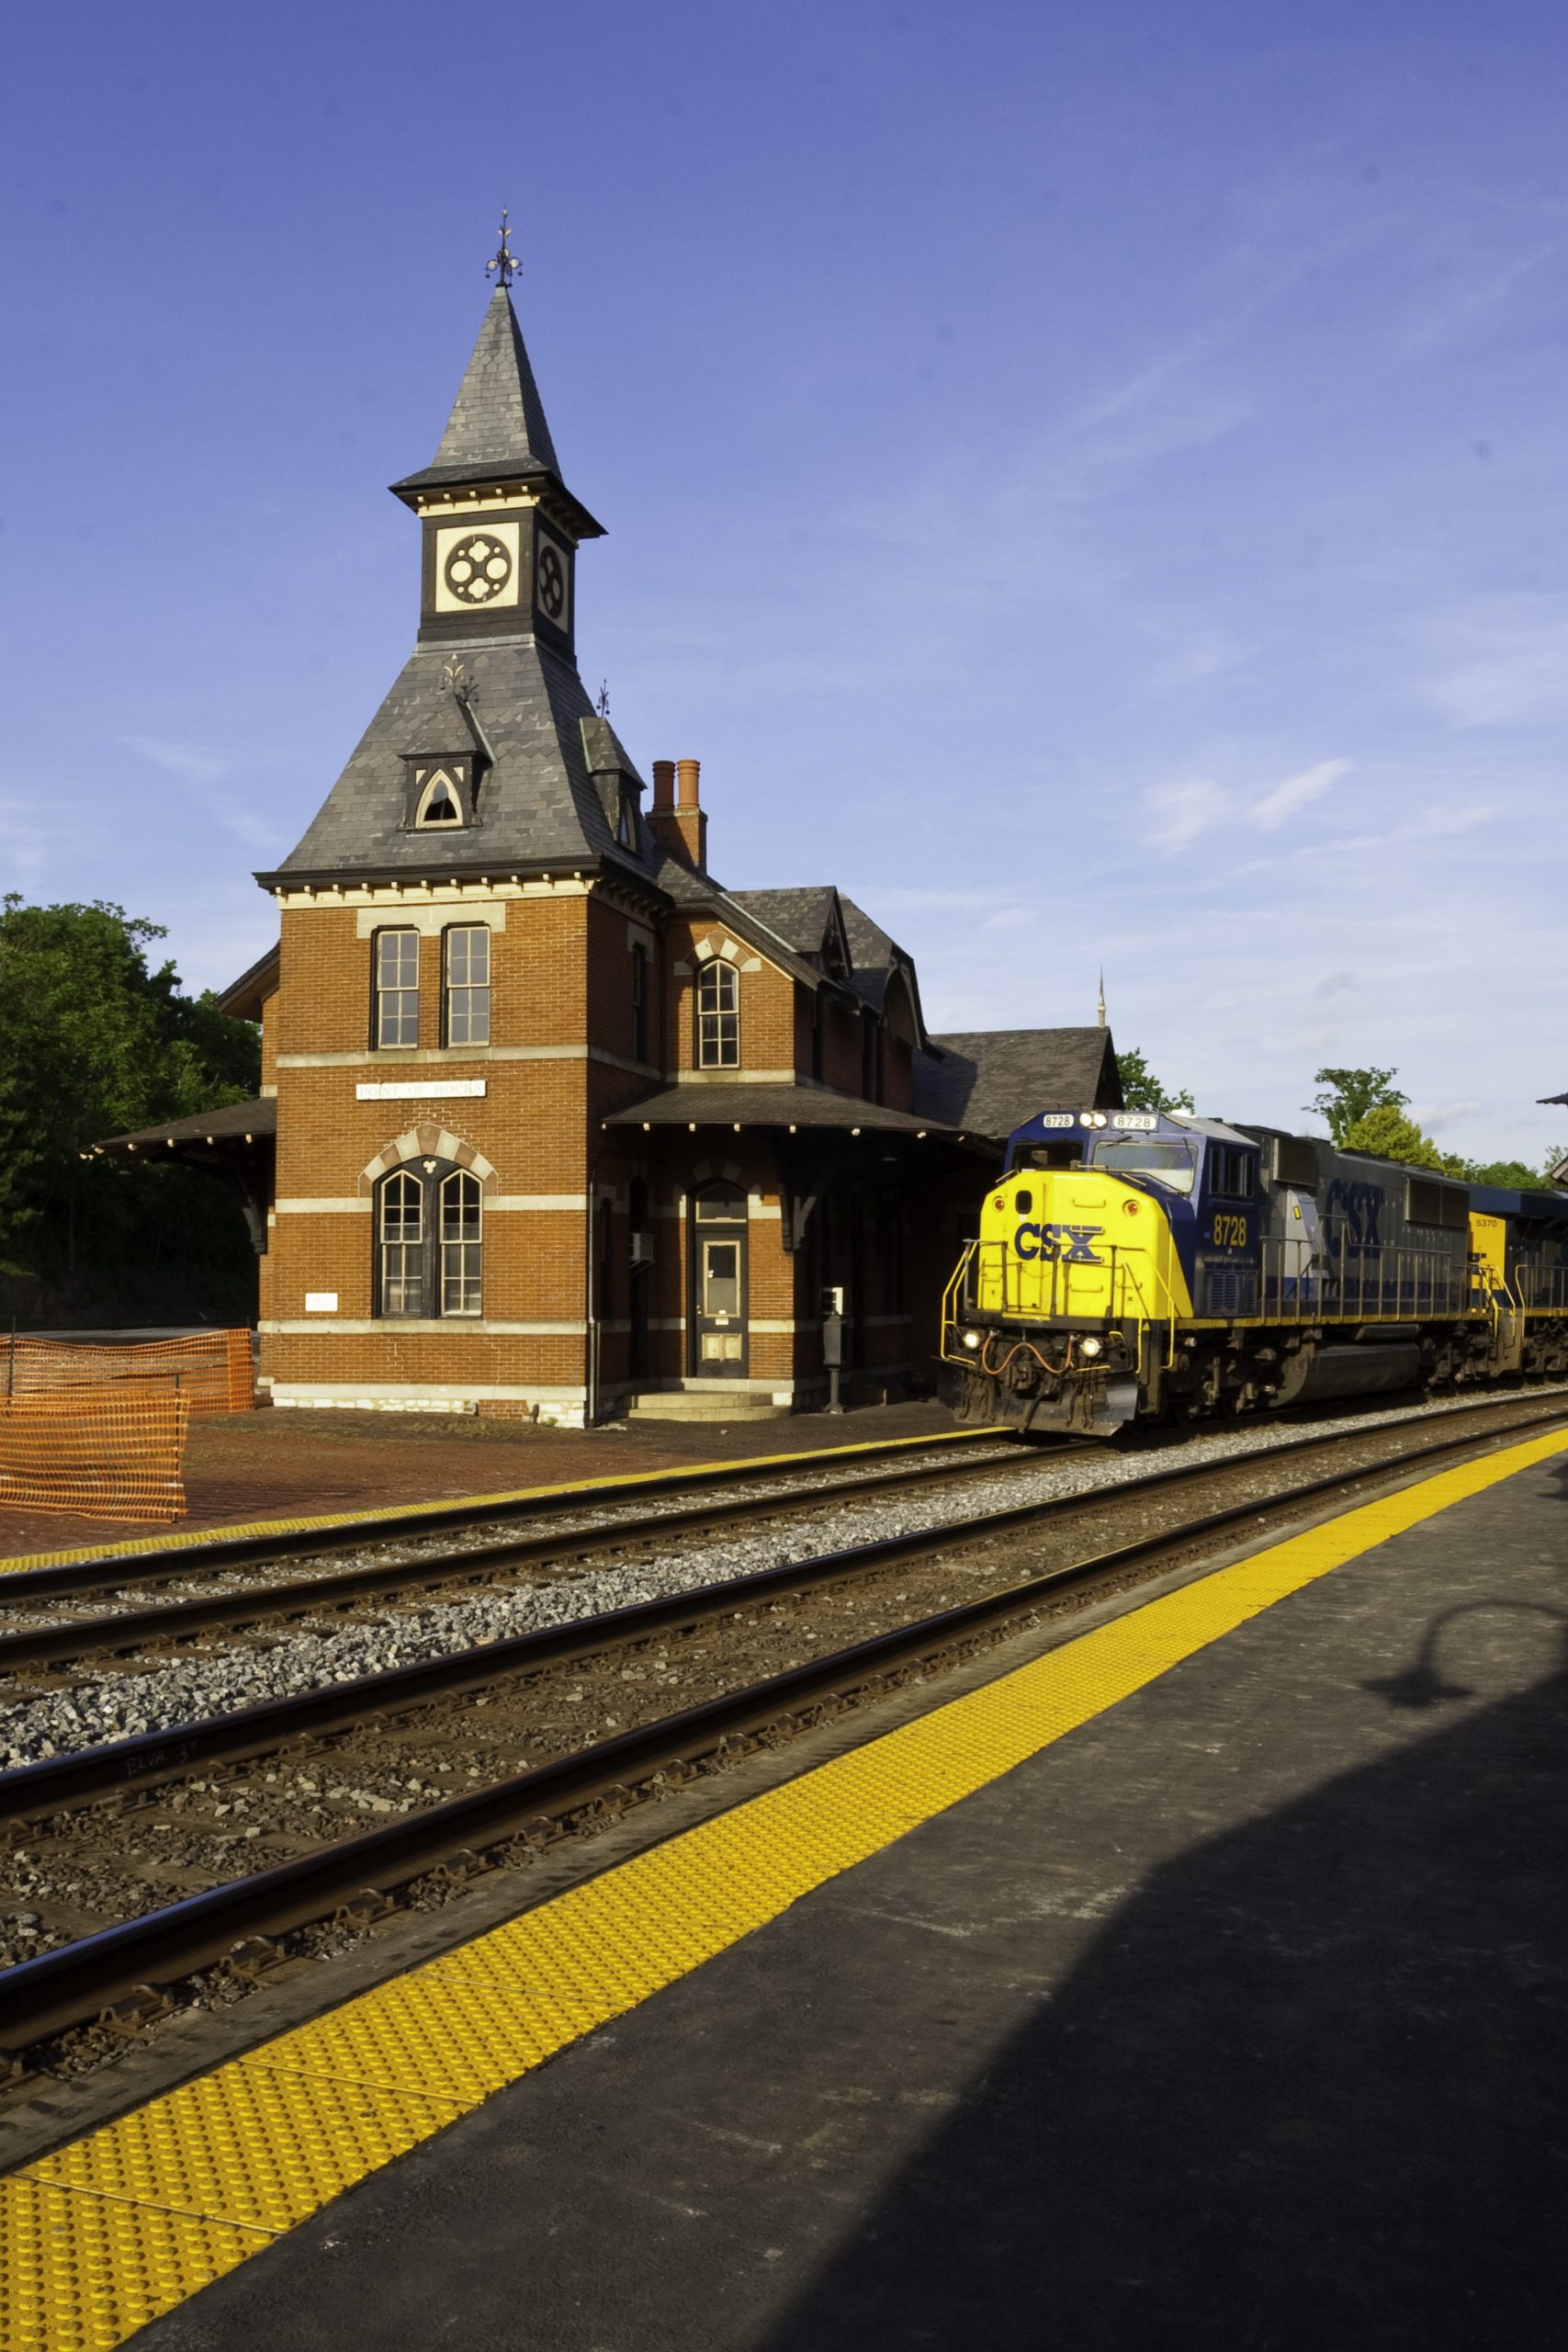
1386	1132
1512	1175
1348	1096
1366	1112
92	1043
1141	1089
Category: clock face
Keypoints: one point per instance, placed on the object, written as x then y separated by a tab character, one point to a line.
477	570
552	582
478	565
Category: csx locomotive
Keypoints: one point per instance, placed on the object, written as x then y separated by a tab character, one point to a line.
1135	1265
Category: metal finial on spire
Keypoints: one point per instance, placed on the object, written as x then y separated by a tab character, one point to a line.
504	265
604	704
1102	996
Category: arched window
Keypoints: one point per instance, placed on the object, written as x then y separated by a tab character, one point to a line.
718	1016
461	1245
438	802
403	1245
430	1243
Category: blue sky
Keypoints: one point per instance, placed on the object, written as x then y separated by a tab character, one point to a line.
1089	481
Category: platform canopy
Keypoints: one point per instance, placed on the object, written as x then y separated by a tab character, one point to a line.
235	1143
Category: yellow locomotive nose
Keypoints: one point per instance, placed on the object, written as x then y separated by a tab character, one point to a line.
1072	1246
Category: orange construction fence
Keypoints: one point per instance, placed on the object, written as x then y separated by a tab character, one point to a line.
98	1453
210	1370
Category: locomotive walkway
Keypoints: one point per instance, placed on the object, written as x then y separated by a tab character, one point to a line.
1197	1978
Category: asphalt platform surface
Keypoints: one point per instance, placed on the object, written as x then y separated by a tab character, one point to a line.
1235	2016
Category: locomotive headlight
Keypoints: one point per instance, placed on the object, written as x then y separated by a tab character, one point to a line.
1091	1347
971	1339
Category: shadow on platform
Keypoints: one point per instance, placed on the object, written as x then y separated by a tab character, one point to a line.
1307	2089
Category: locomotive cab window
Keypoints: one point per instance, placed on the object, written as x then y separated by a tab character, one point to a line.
1232	1173
1048	1155
1174	1165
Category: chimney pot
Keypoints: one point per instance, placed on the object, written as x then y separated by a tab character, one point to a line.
664	783
688	772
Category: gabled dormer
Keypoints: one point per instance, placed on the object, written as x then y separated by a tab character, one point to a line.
617	784
444	781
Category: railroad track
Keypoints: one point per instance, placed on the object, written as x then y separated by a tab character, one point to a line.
71	1985
113	1571
426	1569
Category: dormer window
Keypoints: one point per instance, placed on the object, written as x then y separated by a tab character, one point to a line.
626	827
438	803
439	791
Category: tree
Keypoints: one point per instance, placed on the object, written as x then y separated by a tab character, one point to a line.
1348	1095
92	1043
1512	1175
1386	1133
1142	1090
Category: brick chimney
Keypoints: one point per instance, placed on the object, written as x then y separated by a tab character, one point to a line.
679	825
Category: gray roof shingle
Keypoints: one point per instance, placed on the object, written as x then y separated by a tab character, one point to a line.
801	918
989	1081
497	426
233	1122
766	1107
537	806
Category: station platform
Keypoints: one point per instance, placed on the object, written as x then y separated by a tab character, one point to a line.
1201	1978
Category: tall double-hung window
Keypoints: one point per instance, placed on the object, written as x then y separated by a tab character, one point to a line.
718	1016
397	988
430	1243
467	1012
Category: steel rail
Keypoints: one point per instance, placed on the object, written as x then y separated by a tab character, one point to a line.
73	1985
30	1791
82	1636
77	1638
111	1569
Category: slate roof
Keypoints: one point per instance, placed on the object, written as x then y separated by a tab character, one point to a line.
801	918
989	1081
766	1107
536	807
497	429
235	1122
804	920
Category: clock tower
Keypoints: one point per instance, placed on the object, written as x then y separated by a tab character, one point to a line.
500	529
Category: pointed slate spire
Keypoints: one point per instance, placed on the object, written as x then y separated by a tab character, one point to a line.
497	419
497	429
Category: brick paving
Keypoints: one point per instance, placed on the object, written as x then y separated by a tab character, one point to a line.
286	1464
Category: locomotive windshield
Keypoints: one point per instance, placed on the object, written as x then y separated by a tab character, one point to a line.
1173	1165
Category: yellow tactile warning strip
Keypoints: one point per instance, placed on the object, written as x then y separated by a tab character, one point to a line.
822	1458
133	2218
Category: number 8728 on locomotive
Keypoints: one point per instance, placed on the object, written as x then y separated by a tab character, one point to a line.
1137	1264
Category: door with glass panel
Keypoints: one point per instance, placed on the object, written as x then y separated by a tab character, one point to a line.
718	1280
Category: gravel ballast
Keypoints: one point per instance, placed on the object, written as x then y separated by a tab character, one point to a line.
155	1695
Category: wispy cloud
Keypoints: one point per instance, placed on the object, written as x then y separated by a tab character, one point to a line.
28	837
189	762
1504	664
1449	321
201	770
1435	1116
1277	807
1185	808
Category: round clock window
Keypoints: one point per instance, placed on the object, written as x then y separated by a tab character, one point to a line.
478	569
552	582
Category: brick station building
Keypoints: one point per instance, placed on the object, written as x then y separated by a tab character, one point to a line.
552	1121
